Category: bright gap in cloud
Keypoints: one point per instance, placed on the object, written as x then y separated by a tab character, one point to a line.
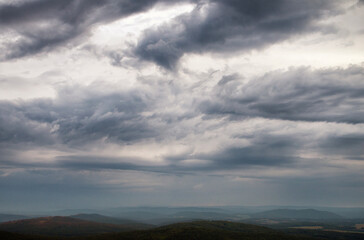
128	29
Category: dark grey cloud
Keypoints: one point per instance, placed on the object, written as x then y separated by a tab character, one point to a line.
116	117
77	116
225	159
93	163
80	116
256	155
102	163
17	125
42	25
301	94
265	150
230	26
351	146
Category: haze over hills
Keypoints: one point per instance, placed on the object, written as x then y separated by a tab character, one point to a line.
135	213
201	215
143	213
162	216
11	217
166	217
302	214
190	223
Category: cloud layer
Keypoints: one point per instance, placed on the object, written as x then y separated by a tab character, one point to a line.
81	117
230	26
42	25
185	102
331	95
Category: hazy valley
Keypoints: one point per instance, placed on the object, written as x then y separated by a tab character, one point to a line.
229	222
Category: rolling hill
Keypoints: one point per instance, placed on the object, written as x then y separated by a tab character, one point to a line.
201	230
198	230
188	216
118	221
200	215
60	226
17	236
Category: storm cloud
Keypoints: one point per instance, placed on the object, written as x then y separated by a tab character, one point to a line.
42	25
183	102
331	95
77	116
83	116
230	26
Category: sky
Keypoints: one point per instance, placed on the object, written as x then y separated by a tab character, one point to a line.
181	103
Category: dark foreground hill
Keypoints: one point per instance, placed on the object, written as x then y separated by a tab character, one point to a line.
60	226
17	236
198	230
201	230
111	220
306	214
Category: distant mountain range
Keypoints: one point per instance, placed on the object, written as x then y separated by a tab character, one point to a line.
302	214
148	213
157	218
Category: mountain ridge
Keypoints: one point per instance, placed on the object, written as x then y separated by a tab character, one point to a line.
60	226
